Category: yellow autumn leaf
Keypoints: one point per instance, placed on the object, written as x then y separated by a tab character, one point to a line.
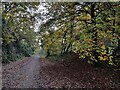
105	58
103	46
103	53
98	50
100	57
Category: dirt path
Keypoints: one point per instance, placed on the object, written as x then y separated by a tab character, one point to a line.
35	72
22	75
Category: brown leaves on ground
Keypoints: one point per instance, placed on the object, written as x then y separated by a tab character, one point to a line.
71	73
21	74
75	73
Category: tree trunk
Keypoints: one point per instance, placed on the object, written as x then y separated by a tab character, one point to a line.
94	33
63	43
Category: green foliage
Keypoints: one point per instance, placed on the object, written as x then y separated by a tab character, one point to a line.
18	36
92	31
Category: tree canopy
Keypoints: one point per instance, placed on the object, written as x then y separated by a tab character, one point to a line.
91	29
18	36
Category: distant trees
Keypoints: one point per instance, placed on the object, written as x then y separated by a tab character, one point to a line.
18	36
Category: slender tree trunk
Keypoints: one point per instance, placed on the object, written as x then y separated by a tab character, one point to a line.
71	33
48	53
63	44
71	36
66	51
113	31
95	34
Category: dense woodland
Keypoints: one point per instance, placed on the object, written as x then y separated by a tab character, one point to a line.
90	29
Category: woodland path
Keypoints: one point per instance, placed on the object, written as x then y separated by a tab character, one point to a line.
22	74
36	72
